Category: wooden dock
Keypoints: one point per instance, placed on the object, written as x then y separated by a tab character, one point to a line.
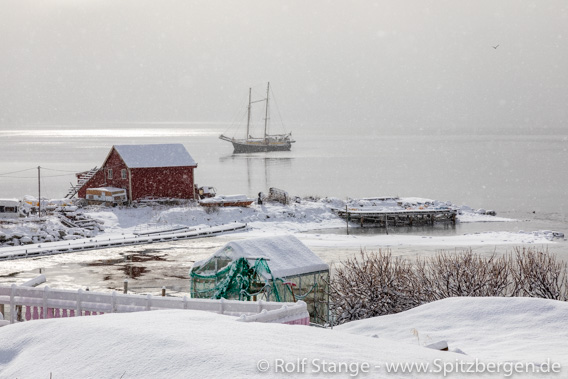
403	217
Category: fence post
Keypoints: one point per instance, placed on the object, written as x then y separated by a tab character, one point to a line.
125	286
79	305
222	305
164	291
45	294
148	302
113	302
12	303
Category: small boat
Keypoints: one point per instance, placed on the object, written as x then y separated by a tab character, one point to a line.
268	142
227	201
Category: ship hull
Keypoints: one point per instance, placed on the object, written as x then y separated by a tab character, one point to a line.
243	147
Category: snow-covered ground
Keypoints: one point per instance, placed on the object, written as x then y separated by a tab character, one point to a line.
306	217
489	337
311	221
513	334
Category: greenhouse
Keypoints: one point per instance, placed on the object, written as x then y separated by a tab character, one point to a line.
277	268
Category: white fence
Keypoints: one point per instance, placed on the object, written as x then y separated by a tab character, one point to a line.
27	304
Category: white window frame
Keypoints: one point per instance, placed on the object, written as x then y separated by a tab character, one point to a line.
109	173
123	173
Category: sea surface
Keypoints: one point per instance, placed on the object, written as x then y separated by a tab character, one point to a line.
504	171
520	175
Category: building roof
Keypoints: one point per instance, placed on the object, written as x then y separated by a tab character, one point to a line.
286	255
107	189
158	155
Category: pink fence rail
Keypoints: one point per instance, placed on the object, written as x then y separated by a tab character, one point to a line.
32	303
28	313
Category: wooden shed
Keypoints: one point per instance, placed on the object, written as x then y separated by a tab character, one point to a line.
162	171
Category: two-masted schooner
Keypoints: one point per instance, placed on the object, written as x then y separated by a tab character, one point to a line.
268	142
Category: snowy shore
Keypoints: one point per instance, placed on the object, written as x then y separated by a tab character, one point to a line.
305	216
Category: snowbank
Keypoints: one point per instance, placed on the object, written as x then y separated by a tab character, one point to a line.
173	344
504	329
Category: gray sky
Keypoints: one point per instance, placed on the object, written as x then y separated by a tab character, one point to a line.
411	64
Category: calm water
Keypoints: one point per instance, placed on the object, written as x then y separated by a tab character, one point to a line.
508	173
515	175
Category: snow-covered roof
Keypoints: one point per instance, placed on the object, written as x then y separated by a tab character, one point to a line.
107	189
286	255
9	201
158	155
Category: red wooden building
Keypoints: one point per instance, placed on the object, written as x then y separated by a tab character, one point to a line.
146	171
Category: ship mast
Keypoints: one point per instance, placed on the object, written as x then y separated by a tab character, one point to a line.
266	111
248	116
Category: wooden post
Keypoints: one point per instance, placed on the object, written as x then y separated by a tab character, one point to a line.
164	291
35	281
125	286
129	186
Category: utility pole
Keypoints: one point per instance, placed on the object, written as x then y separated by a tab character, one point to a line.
39	191
266	110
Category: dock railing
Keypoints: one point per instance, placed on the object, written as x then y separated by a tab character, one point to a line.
28	303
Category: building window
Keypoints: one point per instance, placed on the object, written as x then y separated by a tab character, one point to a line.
123	173
109	175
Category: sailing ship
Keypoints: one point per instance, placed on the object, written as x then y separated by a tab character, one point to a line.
268	142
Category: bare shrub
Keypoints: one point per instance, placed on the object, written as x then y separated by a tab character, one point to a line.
372	285
375	284
461	274
539	274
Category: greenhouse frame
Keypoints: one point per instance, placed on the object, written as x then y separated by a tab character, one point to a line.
278	268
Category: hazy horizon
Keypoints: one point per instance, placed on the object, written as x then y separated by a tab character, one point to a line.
412	65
